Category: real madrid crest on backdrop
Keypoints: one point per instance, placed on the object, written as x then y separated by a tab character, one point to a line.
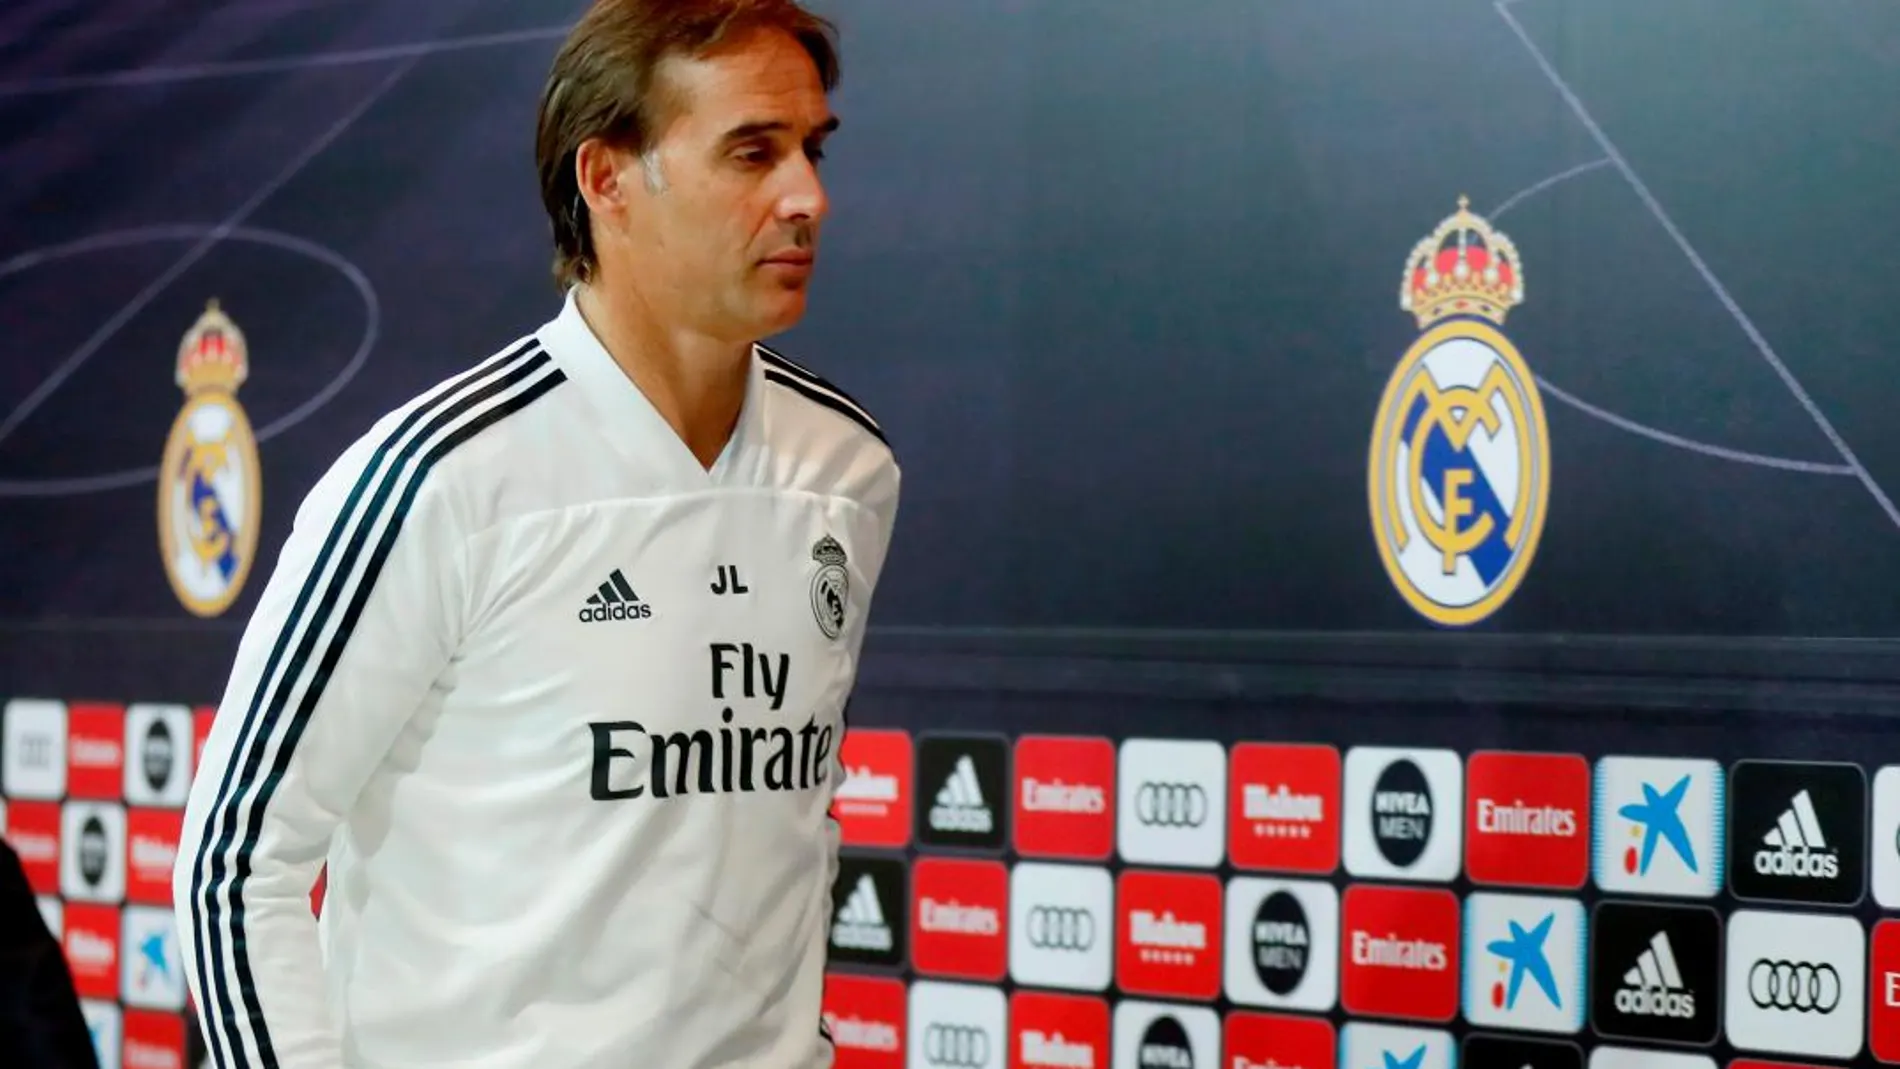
209	485
1460	468
831	587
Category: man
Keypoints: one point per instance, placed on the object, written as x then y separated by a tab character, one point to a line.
41	1023
553	666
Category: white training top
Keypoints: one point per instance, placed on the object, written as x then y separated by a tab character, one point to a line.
561	709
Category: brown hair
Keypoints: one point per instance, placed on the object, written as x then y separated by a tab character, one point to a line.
602	85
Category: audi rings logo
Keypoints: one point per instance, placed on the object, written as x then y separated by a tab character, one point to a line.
1794	985
1061	928
957	1046
1171	805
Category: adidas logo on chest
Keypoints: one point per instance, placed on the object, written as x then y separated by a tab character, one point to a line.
613	602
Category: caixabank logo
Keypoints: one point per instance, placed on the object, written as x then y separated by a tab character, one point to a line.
1363	1045
1799	832
1656	973
1656	826
1524	961
963	792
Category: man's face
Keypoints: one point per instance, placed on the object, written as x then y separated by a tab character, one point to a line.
727	240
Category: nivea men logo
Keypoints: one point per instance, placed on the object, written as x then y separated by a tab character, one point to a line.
156	754
93	848
1165	1046
1798	832
1282	942
962	800
1401	812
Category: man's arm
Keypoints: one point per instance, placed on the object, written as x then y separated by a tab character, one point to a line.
361	614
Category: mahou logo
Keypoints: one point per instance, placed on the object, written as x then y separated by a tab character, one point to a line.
1065	797
1057	1031
1527	819
958	922
864	1017
1168	934
1283	806
92	949
873	804
151	853
1400	951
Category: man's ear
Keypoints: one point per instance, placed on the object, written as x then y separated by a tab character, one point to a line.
597	170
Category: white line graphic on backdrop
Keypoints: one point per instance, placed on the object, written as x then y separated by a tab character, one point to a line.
115	480
171	274
275	64
1695	259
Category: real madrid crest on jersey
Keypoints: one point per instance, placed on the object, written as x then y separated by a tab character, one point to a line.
1459	476
830	587
209	490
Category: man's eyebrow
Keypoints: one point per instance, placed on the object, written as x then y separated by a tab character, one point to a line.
755	129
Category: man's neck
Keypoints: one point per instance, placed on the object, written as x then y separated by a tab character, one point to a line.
696	383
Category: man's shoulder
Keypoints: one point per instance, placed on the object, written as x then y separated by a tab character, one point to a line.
419	449
821	409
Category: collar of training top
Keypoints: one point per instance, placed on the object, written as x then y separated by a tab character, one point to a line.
628	418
